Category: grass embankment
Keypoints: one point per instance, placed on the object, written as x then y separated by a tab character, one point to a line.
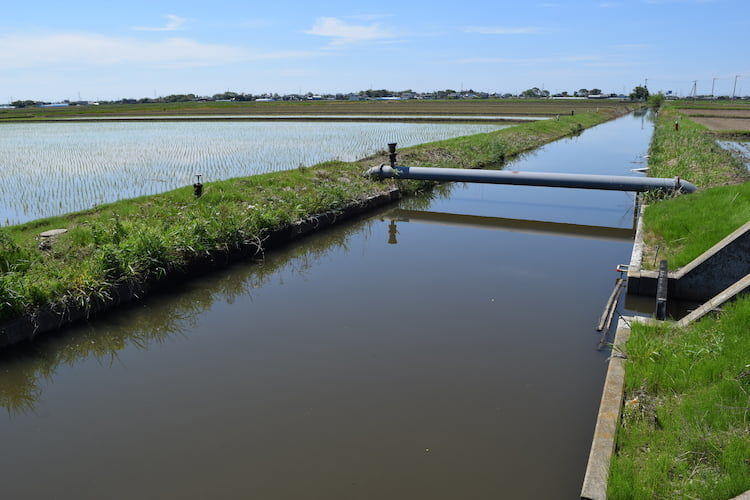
144	239
685	429
682	228
542	107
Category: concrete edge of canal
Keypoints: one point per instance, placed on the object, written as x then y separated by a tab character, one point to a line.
25	328
603	444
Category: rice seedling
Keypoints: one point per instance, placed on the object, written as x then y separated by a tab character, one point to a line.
54	168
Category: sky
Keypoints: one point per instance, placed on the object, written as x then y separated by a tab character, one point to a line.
52	50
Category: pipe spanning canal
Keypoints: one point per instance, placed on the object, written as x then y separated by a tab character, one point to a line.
458	361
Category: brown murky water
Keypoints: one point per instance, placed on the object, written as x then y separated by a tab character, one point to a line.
442	350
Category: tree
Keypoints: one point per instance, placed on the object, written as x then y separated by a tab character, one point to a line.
23	104
535	92
656	100
639	94
582	92
595	92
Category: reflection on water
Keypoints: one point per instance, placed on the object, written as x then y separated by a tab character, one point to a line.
521	225
450	355
166	315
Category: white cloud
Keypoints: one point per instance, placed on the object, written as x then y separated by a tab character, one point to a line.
503	30
173	24
342	32
90	49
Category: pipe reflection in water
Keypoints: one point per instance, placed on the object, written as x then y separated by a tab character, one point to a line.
504	224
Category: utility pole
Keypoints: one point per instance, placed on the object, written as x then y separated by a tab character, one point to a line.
735	85
712	86
645	83
694	92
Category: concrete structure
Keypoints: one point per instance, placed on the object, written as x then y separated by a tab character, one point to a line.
603	444
705	277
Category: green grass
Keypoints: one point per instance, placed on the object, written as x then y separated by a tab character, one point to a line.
680	229
144	239
717	104
685	429
691	153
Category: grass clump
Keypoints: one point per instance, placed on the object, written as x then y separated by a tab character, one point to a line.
685	430
682	228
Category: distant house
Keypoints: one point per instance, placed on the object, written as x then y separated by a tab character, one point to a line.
7	107
55	105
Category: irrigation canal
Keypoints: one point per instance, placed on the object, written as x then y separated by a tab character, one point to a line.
441	349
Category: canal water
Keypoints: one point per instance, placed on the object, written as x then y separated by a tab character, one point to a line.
443	348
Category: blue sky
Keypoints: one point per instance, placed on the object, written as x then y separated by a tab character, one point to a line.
55	50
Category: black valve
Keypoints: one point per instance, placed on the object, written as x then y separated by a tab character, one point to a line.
392	153
198	187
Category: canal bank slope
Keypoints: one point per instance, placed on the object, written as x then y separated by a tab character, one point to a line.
684	429
118	252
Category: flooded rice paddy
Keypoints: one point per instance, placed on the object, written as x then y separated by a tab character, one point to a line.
443	348
740	149
375	118
54	168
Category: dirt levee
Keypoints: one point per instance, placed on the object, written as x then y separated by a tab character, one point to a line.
715	123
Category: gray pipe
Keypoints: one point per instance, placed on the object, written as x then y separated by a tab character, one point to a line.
579	181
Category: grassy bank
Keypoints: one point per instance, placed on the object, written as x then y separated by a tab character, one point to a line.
682	228
685	429
145	239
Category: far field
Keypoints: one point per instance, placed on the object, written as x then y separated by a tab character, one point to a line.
717	112
715	123
497	107
717	116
